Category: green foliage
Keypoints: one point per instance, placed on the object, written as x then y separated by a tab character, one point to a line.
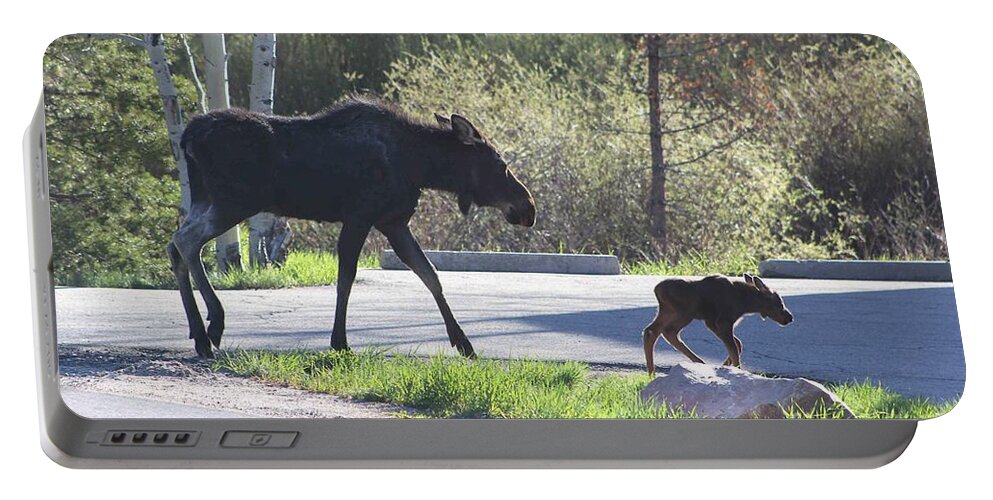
550	122
113	178
855	133
314	70
445	386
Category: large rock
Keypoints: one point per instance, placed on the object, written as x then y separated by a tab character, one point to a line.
712	391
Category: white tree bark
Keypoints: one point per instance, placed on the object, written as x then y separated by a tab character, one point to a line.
154	44
268	235
228	245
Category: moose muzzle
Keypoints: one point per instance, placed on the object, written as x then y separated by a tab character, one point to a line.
521	214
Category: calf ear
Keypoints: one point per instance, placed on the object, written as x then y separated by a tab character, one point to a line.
759	284
749	279
465	132
444	122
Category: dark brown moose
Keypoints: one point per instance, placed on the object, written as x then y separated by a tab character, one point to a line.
361	162
719	302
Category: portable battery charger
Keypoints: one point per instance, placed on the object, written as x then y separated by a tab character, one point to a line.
765	205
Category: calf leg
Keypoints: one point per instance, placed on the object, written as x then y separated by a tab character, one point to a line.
671	332
737	342
650	337
725	331
409	251
349	246
196	231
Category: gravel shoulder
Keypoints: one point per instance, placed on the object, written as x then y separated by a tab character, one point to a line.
116	382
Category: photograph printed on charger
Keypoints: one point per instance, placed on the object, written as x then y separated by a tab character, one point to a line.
496	226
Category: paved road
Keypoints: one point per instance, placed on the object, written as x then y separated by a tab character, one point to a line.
902	334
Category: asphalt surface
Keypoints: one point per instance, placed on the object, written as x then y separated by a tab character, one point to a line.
904	335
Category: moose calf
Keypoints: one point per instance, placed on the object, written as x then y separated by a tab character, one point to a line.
719	302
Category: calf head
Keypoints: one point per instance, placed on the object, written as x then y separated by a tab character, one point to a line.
484	178
770	304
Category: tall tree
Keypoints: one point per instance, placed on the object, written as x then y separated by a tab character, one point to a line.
656	196
154	44
713	86
227	246
268	234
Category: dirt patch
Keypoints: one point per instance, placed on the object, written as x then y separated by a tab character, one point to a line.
178	378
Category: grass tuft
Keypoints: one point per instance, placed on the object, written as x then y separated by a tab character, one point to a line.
871	400
448	386
696	264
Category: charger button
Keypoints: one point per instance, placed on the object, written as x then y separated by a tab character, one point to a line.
260	439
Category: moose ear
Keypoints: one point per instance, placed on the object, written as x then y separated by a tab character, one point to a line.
465	132
759	284
465	203
444	122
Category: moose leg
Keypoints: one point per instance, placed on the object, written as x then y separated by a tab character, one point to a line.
182	273
671	333
197	230
409	251
349	246
713	327
725	332
737	343
650	336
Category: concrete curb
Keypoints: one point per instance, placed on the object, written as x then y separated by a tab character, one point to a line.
868	270
513	262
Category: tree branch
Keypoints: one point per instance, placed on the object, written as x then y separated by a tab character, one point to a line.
196	77
112	36
715	148
621	131
696	125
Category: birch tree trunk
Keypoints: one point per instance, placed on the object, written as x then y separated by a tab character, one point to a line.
656	195
228	245
154	44
268	234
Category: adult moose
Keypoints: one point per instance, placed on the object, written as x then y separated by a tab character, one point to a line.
361	162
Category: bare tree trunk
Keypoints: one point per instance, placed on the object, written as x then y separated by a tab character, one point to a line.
656	196
228	245
155	46
268	234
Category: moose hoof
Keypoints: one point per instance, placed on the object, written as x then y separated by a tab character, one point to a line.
203	348
465	349
214	332
339	345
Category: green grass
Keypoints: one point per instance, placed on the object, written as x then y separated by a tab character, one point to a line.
734	264
304	268
450	386
868	400
111	279
300	269
695	264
